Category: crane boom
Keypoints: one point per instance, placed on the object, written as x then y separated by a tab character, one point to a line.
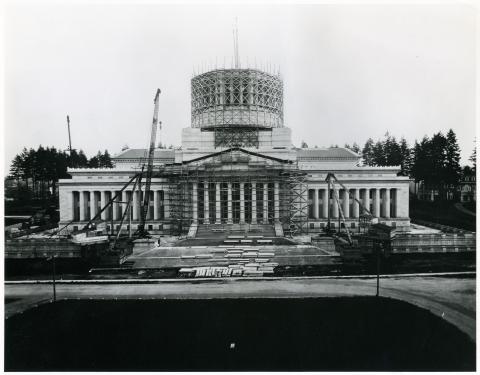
331	177
151	150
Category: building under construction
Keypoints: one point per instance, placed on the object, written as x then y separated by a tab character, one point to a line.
236	169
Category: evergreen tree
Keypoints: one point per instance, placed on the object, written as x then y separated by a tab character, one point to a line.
379	158
304	144
419	170
473	158
367	152
452	159
406	154
356	148
106	160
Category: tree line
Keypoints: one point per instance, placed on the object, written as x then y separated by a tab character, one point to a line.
36	172
434	161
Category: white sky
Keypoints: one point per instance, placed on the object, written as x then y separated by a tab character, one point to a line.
350	71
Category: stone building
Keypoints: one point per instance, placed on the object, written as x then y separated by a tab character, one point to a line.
237	166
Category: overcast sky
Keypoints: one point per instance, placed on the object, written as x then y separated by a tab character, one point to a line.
350	71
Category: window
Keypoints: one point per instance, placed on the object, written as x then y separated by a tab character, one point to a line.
150	227
160	227
352	225
75	228
312	226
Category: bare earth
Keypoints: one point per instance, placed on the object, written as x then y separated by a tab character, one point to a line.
450	298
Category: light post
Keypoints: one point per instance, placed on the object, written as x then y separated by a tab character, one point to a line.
52	258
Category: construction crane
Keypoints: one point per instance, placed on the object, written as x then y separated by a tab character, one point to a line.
146	195
136	179
331	179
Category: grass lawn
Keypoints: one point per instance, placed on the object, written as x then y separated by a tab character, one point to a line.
442	213
362	333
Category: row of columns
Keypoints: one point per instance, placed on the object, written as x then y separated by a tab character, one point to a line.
218	201
115	211
380	208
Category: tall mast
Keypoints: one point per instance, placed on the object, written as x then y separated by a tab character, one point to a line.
69	137
235	45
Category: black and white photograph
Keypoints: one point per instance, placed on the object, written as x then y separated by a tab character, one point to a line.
228	186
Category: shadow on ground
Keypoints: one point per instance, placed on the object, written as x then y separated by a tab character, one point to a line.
361	333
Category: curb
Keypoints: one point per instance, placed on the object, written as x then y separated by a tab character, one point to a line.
234	279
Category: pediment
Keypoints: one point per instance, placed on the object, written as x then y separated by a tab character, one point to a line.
237	156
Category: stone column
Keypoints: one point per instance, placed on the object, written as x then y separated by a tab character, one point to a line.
387	203
92	205
376	203
315	204
276	202
218	211
325	203
123	205
334	204
366	200
103	215
229	204
346	203
242	203
135	207
265	203
156	199
397	203
355	205
194	203
206	204
81	198
254	203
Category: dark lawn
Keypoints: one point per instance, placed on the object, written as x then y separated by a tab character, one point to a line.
266	334
442	212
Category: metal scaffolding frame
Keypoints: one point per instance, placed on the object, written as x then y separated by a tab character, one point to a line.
236	98
234	167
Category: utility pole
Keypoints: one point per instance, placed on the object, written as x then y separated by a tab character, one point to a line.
69	137
52	258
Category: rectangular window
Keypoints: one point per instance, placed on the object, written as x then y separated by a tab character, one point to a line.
312	226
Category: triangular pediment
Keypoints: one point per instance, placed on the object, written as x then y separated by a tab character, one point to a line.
237	156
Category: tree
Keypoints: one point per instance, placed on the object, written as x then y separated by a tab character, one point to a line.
16	169
105	160
367	152
304	144
473	158
452	159
356	148
378	154
406	155
353	147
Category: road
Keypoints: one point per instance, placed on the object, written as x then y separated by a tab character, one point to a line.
453	299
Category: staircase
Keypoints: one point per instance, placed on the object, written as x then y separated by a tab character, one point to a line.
224	230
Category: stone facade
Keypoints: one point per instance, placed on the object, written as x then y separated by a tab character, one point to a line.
250	201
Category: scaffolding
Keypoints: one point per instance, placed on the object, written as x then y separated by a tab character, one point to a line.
208	190
235	98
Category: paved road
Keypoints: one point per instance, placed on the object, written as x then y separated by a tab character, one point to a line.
450	298
463	209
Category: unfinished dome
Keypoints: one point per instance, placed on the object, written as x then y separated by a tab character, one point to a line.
228	98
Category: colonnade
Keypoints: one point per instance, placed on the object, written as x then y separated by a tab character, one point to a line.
381	202
88	203
252	202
